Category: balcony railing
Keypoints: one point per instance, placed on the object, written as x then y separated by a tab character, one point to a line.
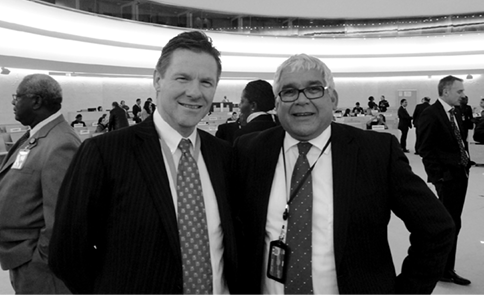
176	16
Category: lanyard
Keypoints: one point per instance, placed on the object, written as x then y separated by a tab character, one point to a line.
171	161
292	195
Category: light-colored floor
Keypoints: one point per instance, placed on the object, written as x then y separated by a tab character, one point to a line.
470	249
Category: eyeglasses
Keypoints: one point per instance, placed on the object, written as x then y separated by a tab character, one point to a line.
16	97
311	92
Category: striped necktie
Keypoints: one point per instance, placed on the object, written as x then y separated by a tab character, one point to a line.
464	159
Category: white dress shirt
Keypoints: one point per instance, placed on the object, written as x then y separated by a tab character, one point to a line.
323	262
215	234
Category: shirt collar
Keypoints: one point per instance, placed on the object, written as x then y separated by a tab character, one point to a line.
45	122
446	106
171	137
318	142
254	115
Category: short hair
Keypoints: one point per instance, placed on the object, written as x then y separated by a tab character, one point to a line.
78	116
260	92
138	99
44	86
357	103
371	98
195	41
306	62
115	104
446	82
427	99
402	100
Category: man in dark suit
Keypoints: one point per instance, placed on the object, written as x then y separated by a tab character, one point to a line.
416	115
404	123
129	220
137	111
30	178
446	159
332	222
467	119
117	117
256	102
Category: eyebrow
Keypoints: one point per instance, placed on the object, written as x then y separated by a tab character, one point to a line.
309	83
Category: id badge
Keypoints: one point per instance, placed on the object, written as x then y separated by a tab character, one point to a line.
21	158
278	258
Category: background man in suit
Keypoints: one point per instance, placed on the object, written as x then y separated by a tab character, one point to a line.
122	224
117	117
416	115
137	110
30	178
404	123
467	119
338	215
257	100
446	157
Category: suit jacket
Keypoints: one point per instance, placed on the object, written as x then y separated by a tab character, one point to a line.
467	120
404	119
118	118
259	123
226	131
418	111
136	110
438	145
28	196
371	179
117	230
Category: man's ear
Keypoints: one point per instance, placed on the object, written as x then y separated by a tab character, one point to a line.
37	102
253	106
156	80
334	98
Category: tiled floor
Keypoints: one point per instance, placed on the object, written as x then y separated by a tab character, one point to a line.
470	251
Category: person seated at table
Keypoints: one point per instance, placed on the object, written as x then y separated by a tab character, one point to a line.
347	113
358	109
78	122
377	120
102	124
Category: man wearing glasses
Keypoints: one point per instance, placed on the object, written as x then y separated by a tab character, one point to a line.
316	198
30	178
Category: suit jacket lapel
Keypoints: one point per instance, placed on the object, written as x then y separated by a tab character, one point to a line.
445	121
147	151
39	134
269	156
344	157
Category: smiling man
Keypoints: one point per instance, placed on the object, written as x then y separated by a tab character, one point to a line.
316	198
144	209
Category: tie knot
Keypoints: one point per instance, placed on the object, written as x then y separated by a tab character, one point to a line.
304	147
452	111
184	145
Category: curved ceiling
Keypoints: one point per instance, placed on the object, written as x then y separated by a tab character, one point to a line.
45	37
350	9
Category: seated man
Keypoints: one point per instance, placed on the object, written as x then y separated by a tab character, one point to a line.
358	109
377	120
78	122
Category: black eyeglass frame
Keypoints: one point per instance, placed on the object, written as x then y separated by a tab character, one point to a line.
303	90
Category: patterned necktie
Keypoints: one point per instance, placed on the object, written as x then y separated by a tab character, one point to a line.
192	226
299	226
464	159
16	146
